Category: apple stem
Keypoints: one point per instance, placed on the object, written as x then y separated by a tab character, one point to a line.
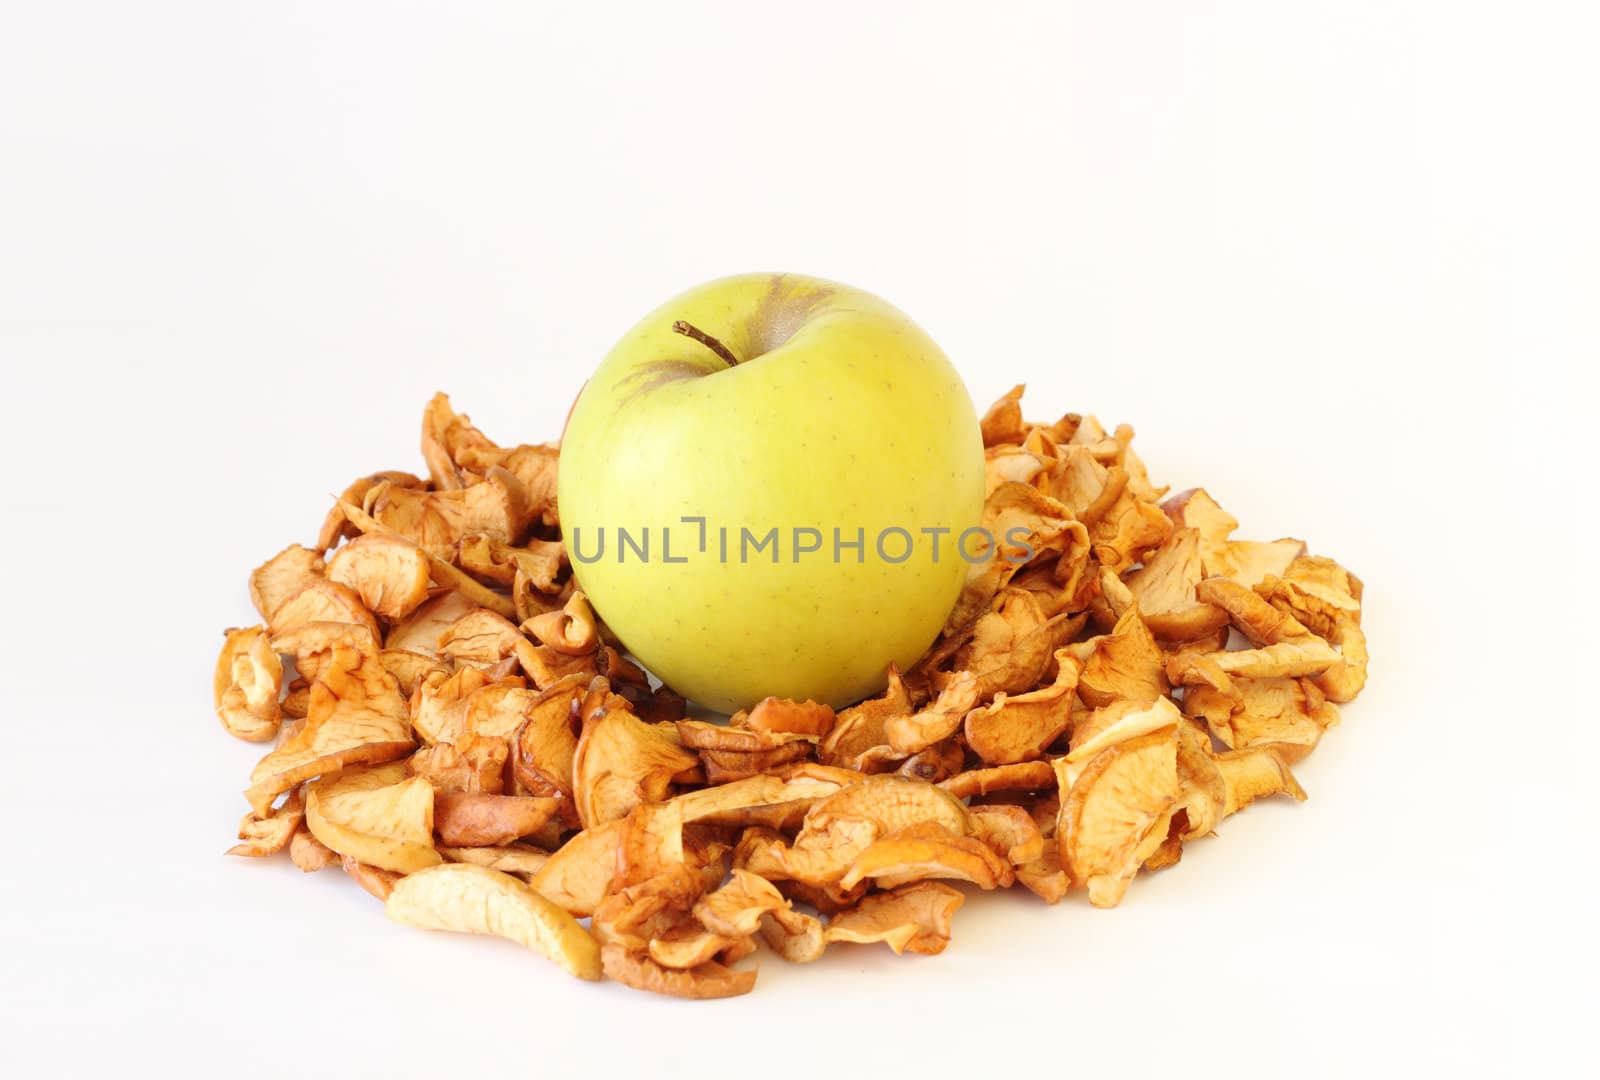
689	330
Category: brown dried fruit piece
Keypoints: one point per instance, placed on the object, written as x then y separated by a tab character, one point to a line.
914	918
248	679
1164	589
355	716
281	576
1114	813
390	576
379	815
621	761
1014	729
1126	665
263	834
711	980
1292	713
477	820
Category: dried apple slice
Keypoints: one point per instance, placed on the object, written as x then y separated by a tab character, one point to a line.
355	716
711	980
918	731
1292	713
390	576
322	601
520	859
282	576
794	936
477	900
1011	646
1010	832
1256	773
336	526
620	761
859	733
310	854
927	851
735	909
1115	813
1023	520
1024	776
781	716
465	819
379	815
1297	656
1126	665
446	434
263	834
1164	589
914	918
1014	729
578	875
248	679
573	630
420	631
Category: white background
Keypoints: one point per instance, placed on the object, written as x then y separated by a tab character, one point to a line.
1334	261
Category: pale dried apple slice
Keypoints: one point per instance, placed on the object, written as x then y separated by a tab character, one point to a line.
735	908
1256	773
1014	729
379	815
310	854
795	936
521	859
1024	776
578	875
1118	723
1011	647
1126	665
282	576
711	980
859	733
941	719
1297	656
355	716
420	631
438	708
781	716
1164	589
322	601
1290	712
620	761
263	834
914	918
889	804
1116	812
391	577
927	851
477	900
246	685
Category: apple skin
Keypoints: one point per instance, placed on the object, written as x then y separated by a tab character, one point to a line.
841	413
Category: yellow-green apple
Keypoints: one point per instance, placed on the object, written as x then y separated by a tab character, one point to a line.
763	487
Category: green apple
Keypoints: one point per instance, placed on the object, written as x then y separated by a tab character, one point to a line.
764	486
